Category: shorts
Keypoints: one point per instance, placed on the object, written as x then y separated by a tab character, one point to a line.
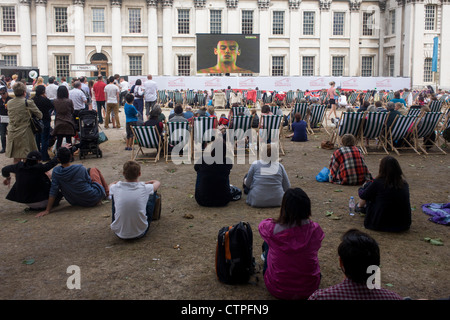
332	101
128	128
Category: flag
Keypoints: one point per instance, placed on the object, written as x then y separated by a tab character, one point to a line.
434	62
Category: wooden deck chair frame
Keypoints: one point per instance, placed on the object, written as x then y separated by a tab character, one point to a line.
399	131
317	116
200	126
374	127
240	126
430	122
173	135
269	123
351	123
147	137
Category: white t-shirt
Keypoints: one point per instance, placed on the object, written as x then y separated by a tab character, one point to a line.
51	91
151	90
111	91
130	203
123	86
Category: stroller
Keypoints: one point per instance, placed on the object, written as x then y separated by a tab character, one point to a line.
88	126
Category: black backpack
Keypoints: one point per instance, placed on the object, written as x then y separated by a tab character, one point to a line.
234	254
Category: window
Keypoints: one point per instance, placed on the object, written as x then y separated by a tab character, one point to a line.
98	20
366	66
62	66
9	19
308	23
135	65
134	20
278	22
392	21
430	17
390	65
184	65
337	66
368	23
308	66
183	21
277	66
216	21
247	22
427	73
338	23
10	60
61	20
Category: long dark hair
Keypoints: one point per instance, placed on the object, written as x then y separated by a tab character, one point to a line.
391	172
295	207
62	92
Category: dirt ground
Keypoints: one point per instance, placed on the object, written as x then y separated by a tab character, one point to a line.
176	260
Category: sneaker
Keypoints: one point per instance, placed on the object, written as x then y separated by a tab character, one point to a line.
2	151
262	257
358	209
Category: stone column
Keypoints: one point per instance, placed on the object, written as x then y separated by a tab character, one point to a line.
294	56
325	18
41	37
398	60
355	31
79	37
26	57
116	36
381	33
233	16
201	18
264	31
152	22
444	42
167	38
417	42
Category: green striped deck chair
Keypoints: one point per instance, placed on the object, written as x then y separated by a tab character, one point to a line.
162	97
267	98
203	132
190	97
300	95
415	95
178	97
413	111
274	109
271	129
170	94
201	99
426	125
147	137
235	111
316	118
436	106
352	98
259	94
367	96
399	131
350	123
290	97
301	108
405	95
374	127
177	134
242	128
390	96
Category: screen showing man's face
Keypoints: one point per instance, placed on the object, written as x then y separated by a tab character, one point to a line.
227	51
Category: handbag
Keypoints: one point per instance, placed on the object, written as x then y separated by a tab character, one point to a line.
37	125
102	137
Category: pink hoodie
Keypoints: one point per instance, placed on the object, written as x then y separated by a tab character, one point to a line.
293	270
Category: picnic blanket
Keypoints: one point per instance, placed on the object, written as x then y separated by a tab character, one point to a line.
439	212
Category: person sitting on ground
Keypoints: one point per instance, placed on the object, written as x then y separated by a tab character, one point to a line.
131	119
78	185
347	165
32	183
385	200
290	250
357	252
299	127
178	115
133	203
266	180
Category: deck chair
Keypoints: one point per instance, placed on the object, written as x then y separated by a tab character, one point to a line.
301	108
178	98
350	123
389	96
399	131
316	118
413	111
290	97
202	132
241	129
271	130
201	99
177	134
352	98
300	95
170	95
274	109
436	106
425	126
190	97
162	97
374	127
147	137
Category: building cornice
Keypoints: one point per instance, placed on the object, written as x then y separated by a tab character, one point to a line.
116	3
355	5
232	4
263	4
324	4
294	4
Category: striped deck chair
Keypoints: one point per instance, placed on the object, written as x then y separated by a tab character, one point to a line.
178	98
271	129
259	94
242	128
322	96
268	97
445	123
399	132
367	96
316	118
436	106
190	97
374	127
426	125
147	137
352	99
300	95
301	108
350	123
413	111
177	134
203	132
274	109
389	96
405	95
170	95
201	99
290	97
236	110
415	95
162	97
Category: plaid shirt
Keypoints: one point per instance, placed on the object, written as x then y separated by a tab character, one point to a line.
349	290
347	167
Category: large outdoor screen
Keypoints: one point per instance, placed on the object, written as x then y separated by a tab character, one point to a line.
227	53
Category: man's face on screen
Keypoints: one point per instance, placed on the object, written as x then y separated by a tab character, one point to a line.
227	51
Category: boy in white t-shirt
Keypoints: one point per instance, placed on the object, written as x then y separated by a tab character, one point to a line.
132	203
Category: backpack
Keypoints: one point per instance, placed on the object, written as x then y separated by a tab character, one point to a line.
139	92
234	254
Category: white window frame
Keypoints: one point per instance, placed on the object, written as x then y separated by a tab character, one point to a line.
183	22
99	22
61	19
278	24
430	17
335	25
372	67
8	64
57	71
427	67
215	21
272	69
309	23
247	23
333	66
13	20
134	27
184	70
132	70
305	71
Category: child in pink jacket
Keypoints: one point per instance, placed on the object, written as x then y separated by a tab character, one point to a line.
291	245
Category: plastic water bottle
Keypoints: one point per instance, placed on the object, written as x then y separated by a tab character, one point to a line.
351	206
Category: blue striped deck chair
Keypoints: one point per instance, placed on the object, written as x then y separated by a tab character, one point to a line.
352	99
301	108
147	137
271	129
241	130
443	98
162	97
436	106
201	98
426	125
178	98
374	127
203	132
316	118
177	134
399	132
405	95
190	97
350	122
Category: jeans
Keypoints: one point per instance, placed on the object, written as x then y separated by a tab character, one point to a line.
148	211
42	140
3	127
100	107
149	106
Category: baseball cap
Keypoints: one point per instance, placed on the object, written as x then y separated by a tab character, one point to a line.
34	155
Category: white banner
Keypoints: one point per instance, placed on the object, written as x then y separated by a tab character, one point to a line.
276	83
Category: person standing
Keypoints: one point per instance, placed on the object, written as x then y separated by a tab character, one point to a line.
4	98
87	92
79	101
138	91
150	95
332	96
45	106
124	86
64	121
50	90
112	103
99	93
